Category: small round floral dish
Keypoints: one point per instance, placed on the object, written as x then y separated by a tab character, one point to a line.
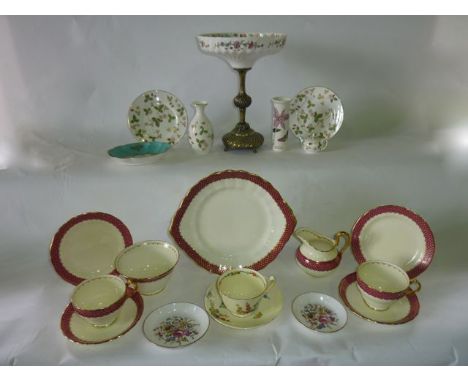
319	312
176	324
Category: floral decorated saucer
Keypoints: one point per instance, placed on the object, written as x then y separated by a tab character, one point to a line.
78	330
157	115
139	153
402	311
315	113
176	324
269	308
319	312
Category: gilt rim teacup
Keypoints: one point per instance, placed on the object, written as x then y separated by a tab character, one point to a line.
99	300
381	284
242	289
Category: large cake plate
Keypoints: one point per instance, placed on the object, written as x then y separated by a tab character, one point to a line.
232	219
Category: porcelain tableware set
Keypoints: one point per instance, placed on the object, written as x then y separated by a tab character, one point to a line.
95	252
234	223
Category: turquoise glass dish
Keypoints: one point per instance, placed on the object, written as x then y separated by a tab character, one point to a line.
139	151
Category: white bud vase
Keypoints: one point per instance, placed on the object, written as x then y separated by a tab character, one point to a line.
200	131
280	122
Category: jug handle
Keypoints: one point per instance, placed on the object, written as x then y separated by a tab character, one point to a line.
347	241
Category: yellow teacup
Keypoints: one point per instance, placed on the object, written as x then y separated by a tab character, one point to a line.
242	289
99	300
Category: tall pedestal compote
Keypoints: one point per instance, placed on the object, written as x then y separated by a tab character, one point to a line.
240	51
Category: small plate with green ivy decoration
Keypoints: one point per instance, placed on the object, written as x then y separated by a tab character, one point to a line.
176	324
157	115
315	111
319	312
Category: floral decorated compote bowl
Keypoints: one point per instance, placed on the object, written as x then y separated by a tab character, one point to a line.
240	51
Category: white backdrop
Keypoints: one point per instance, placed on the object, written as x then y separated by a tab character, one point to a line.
65	87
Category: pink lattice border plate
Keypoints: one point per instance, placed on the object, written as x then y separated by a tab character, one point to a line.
424	260
262	259
55	254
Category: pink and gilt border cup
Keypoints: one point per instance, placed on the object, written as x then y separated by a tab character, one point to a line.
99	300
381	284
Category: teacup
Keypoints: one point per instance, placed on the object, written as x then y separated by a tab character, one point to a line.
99	300
148	264
242	289
381	284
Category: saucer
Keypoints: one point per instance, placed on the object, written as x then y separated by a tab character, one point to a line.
269	308
78	330
319	312
402	311
139	153
176	324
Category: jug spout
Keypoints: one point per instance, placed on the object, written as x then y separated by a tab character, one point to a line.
306	236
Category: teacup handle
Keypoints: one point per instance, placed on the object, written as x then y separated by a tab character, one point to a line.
410	291
271	282
132	288
347	240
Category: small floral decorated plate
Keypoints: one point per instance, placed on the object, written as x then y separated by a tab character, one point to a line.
269	308
315	113
176	324
157	115
139	152
319	312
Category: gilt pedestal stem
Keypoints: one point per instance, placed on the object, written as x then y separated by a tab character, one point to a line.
242	137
